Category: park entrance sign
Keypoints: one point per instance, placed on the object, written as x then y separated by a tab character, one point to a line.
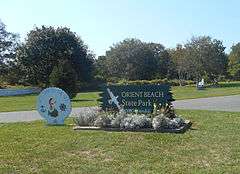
54	105
134	97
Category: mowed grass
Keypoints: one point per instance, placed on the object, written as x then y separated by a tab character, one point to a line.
212	146
28	102
190	92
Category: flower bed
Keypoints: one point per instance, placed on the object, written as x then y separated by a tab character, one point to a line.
163	119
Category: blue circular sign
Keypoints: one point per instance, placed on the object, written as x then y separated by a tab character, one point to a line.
54	105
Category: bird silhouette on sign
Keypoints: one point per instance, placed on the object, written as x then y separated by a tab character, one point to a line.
113	99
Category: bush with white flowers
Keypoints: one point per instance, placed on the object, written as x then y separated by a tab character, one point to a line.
135	122
163	119
103	121
86	118
118	118
161	122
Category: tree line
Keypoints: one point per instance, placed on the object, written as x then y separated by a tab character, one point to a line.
57	56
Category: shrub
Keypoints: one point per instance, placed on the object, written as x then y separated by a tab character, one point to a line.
166	109
64	76
86	118
103	121
135	122
161	122
117	120
93	85
178	121
174	82
129	121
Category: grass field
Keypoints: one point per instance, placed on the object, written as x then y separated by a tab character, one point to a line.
28	102
190	92
212	146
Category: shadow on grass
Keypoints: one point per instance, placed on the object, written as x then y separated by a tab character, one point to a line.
229	85
193	129
224	85
59	125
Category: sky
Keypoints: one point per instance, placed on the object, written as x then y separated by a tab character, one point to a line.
102	23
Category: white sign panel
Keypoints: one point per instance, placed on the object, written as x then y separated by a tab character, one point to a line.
54	105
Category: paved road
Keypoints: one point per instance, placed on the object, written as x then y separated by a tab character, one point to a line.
226	103
7	117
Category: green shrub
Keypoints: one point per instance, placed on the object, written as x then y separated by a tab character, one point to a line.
64	76
118	118
174	82
93	85
103	121
161	122
135	122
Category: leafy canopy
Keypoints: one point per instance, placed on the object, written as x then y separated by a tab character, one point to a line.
200	57
45	47
234	62
133	59
8	44
64	76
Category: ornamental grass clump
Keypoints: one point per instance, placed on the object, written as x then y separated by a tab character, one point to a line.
160	122
166	110
164	117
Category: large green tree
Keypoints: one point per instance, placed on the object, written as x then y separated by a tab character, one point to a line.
162	58
64	76
101	70
234	62
201	57
45	47
8	44
133	59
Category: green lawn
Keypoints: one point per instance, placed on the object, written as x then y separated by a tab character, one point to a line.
212	146
190	92
28	102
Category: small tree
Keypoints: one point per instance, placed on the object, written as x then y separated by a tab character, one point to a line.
64	76
179	63
234	62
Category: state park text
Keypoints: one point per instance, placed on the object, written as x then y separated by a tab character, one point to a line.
135	97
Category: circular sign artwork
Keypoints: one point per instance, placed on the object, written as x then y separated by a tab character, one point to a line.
54	105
